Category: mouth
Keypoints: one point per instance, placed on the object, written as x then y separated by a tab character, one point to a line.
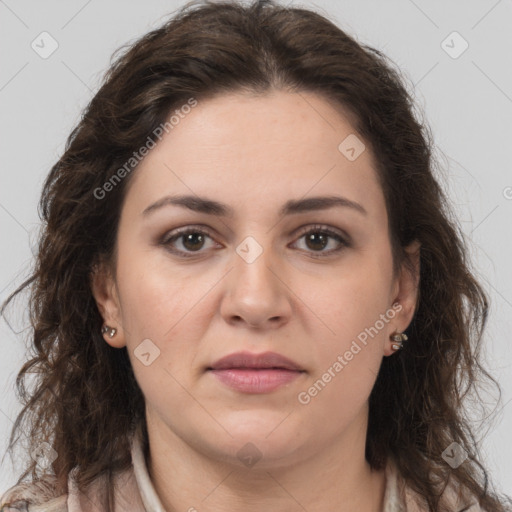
248	360
255	373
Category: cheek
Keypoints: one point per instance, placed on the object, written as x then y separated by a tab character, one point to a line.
162	311
355	301
349	357
154	298
358	314
170	309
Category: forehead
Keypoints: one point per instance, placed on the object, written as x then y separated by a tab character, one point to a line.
251	149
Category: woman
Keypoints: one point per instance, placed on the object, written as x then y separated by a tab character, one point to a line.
249	289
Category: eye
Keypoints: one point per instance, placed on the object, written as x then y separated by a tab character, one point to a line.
192	240
317	238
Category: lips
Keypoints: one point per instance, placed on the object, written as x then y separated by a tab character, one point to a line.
248	360
245	372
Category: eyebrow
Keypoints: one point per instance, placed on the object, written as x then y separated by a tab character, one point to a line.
293	206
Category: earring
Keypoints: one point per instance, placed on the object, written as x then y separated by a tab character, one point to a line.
110	330
399	338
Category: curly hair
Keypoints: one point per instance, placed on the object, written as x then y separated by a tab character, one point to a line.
86	402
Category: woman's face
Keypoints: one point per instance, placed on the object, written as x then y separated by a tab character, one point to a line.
251	280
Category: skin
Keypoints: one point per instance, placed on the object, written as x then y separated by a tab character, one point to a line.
254	153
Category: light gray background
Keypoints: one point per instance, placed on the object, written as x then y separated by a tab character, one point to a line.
467	101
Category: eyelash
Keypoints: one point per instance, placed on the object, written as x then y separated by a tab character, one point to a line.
167	240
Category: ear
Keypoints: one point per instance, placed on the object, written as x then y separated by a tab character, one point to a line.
104	290
406	291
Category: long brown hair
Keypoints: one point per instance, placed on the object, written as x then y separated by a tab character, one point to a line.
87	403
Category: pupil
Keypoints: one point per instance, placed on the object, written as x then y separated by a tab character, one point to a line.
190	237
311	238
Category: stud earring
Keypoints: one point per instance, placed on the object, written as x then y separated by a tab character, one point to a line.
110	330
398	338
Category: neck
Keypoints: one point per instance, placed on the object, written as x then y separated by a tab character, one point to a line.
337	478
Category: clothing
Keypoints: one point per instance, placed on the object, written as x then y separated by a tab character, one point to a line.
135	493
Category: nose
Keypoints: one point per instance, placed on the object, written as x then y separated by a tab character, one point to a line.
256	295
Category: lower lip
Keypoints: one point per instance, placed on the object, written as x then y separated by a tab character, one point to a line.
255	381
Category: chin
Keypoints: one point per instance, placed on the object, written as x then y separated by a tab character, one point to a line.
265	443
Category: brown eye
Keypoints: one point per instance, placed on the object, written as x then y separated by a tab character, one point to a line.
317	238
317	241
193	241
186	241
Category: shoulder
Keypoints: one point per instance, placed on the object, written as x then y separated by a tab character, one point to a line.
455	502
453	497
37	496
401	497
42	495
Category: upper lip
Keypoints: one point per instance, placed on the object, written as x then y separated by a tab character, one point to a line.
250	360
